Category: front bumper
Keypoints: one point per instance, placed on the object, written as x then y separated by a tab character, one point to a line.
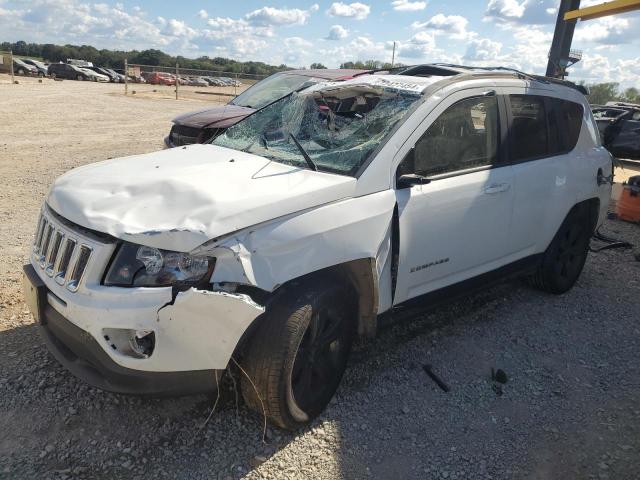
81	354
196	333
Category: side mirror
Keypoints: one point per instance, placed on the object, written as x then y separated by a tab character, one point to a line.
411	179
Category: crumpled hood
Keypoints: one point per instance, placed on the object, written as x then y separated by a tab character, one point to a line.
178	199
222	116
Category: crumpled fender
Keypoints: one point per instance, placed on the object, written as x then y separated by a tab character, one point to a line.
270	254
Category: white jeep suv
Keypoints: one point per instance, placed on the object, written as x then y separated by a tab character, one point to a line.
268	251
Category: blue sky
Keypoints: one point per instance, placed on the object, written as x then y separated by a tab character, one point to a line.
516	33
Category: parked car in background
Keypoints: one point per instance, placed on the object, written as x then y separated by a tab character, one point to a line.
619	126
22	68
160	78
203	125
68	72
198	82
94	75
112	76
40	67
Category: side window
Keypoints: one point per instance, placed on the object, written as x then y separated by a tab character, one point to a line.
570	118
529	136
463	136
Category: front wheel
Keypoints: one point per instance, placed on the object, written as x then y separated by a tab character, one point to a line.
296	357
79	78
20	71
565	257
40	75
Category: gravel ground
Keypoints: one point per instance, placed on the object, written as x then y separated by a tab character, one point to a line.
570	408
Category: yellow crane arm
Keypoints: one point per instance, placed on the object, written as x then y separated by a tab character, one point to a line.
603	10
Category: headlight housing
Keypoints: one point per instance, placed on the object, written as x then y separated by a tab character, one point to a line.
142	266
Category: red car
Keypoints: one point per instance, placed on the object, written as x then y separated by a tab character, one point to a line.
203	125
160	78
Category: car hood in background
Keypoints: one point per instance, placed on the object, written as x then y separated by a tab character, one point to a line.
178	199
222	116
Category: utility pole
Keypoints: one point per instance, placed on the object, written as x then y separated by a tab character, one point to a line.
13	79
393	55
126	77
177	80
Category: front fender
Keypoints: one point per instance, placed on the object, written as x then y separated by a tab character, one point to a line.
268	255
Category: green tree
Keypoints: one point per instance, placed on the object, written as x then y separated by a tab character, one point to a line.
631	95
601	93
316	66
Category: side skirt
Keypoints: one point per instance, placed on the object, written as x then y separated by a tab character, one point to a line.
436	298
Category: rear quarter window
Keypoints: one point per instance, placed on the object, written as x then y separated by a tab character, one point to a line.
569	116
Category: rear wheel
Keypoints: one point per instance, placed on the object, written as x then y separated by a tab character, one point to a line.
53	75
40	74
20	71
566	255
79	78
297	356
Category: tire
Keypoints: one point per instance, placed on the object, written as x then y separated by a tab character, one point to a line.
298	354
565	257
40	75
53	76
20	71
80	78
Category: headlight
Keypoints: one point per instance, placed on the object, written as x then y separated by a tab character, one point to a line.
142	266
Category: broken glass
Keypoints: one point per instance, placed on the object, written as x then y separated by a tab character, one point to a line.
337	125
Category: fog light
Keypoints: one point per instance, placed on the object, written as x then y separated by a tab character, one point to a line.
143	342
129	342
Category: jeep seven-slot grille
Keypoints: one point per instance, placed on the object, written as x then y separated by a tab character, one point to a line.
60	253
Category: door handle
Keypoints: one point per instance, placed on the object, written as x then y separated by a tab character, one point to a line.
497	188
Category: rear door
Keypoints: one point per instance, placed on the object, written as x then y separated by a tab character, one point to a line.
626	141
541	141
456	226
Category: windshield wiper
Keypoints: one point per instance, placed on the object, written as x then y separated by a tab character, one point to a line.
306	156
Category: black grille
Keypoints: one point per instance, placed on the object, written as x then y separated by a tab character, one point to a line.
183	135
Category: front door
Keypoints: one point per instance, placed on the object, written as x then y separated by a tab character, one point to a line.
457	225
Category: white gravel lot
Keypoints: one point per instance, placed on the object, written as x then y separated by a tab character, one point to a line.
570	408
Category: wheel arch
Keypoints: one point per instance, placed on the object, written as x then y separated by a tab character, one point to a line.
358	275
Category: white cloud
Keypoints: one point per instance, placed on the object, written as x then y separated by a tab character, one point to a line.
337	32
356	10
455	26
280	16
483	49
178	28
297	42
528	12
607	31
408	6
203	14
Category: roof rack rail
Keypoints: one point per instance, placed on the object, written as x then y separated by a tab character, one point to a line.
583	89
519	73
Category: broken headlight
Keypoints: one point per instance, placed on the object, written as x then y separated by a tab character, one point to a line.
142	266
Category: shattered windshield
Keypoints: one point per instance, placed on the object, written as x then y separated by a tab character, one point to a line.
329	127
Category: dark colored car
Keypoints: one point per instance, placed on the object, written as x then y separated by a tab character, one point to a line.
69	72
113	77
203	125
619	125
40	67
22	68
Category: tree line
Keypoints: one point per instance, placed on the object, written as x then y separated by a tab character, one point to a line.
115	58
601	93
